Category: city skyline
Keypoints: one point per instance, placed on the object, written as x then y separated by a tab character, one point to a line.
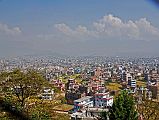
85	27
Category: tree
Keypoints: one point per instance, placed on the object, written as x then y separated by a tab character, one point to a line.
22	85
149	110
103	115
123	108
63	100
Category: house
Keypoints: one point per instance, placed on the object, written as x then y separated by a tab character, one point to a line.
103	100
83	102
132	83
72	95
47	94
88	114
71	84
58	84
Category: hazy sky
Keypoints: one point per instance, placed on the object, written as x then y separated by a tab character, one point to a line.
79	27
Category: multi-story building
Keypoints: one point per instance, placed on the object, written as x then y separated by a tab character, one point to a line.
155	91
58	84
84	102
103	100
72	95
132	83
71	84
47	94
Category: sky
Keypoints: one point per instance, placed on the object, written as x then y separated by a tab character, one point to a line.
79	27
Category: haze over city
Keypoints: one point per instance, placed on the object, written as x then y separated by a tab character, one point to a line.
79	60
84	27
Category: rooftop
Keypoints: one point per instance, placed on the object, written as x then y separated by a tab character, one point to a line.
83	99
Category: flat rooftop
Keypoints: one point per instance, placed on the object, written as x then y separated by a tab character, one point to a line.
83	99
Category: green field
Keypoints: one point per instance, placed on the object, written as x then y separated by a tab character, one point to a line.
113	86
141	83
65	78
63	107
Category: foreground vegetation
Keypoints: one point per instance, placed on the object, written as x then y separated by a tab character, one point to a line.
19	100
19	97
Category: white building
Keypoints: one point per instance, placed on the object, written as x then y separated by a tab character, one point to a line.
103	100
47	94
83	102
132	83
128	77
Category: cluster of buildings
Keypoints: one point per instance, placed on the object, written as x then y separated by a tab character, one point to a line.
90	96
152	78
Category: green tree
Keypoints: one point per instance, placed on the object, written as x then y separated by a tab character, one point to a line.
63	100
40	116
103	115
21	85
123	108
